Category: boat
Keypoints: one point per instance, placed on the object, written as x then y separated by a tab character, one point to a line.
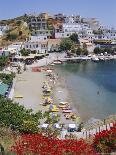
67	111
95	59
57	62
62	106
101	58
63	103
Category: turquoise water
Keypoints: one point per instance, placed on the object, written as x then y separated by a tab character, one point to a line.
92	87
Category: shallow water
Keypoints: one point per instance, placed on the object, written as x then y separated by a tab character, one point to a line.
92	87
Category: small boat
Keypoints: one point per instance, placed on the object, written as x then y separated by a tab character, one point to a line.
62	106
67	111
57	62
66	108
101	59
95	59
63	103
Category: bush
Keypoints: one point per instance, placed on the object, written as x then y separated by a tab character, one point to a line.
38	144
24	52
14	115
105	141
7	78
3	62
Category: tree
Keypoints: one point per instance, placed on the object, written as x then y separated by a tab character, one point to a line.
74	37
66	44
85	52
24	52
79	51
97	50
17	117
3	61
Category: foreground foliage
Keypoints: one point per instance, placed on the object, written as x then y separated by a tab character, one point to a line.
38	144
7	78
17	117
104	142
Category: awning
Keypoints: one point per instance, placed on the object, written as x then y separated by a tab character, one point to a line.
3	88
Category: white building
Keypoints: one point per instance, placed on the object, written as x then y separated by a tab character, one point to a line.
14	48
71	27
38	46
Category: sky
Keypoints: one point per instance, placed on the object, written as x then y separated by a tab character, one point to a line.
103	10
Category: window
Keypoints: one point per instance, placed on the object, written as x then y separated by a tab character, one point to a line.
36	45
30	46
27	46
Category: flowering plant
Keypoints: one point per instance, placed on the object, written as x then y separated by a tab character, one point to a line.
105	141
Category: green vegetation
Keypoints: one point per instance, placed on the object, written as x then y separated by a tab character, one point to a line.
66	44
99	50
7	78
3	61
81	51
72	44
17	117
24	52
74	37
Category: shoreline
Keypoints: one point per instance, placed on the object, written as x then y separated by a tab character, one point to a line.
61	92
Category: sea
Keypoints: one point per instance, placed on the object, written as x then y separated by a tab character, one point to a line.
91	86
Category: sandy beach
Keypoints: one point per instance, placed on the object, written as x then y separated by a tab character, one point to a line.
29	85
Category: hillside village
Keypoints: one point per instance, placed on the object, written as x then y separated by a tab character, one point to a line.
44	32
37	115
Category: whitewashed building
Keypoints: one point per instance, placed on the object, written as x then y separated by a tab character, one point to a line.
38	46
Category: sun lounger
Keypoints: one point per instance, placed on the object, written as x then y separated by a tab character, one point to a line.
18	96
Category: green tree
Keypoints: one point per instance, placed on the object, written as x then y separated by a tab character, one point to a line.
79	51
3	61
66	44
97	50
29	127
85	52
74	37
17	117
24	52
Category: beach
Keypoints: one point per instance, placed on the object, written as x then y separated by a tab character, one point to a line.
29	85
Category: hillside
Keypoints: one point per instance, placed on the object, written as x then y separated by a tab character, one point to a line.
19	30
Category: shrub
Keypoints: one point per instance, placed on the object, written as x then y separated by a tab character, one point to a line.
105	141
